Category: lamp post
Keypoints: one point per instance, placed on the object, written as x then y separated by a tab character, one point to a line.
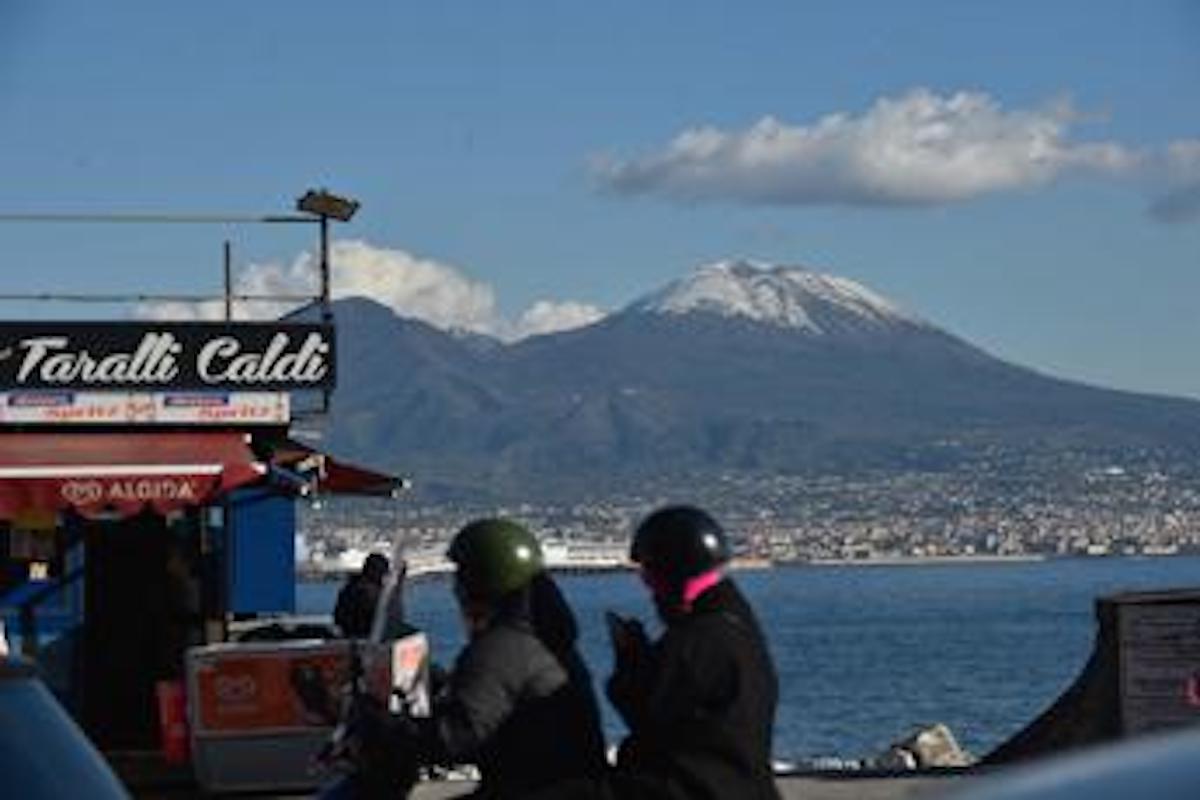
325	206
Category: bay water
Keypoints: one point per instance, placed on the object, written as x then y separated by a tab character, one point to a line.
866	653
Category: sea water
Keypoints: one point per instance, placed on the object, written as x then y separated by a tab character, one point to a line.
866	653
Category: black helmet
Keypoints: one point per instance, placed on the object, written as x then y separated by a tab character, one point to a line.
495	557
679	542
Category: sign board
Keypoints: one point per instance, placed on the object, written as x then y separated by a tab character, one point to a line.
146	356
410	676
249	730
240	689
1160	665
132	408
252	691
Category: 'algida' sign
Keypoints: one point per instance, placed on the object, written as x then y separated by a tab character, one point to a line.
243	356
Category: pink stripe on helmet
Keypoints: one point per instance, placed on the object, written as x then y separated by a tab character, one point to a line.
694	587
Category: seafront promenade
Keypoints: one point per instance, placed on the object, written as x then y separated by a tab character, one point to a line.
804	787
800	787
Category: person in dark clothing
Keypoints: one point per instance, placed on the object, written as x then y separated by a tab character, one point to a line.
700	701
519	700
356	602
179	617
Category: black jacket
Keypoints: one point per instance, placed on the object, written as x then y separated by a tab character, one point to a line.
355	608
700	705
520	703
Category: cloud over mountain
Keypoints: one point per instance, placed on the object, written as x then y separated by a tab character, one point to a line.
920	148
546	316
439	294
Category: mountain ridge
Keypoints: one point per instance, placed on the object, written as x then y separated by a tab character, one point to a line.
659	392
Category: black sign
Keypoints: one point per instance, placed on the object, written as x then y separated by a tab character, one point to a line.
147	356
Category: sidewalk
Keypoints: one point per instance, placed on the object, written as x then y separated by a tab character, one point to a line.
807	787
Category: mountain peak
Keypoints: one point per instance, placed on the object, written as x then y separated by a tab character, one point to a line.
783	296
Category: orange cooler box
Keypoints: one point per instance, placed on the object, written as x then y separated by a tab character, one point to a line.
249	731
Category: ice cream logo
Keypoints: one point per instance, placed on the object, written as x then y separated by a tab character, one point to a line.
236	689
79	493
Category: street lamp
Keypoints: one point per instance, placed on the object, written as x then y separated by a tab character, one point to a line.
326	206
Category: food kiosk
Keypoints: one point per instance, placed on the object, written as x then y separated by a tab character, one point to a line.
147	496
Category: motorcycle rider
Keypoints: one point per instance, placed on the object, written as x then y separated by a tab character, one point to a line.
700	701
519	700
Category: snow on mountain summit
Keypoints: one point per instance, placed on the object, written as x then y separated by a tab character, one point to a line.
789	297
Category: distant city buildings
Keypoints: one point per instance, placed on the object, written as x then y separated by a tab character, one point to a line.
1065	505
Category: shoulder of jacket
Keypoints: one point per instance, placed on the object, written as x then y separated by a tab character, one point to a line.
503	642
706	633
512	657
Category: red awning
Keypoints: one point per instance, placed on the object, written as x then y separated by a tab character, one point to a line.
122	473
333	476
342	478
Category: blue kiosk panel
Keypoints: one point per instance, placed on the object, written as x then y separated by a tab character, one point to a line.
262	569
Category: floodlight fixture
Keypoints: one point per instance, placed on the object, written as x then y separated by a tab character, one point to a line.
323	203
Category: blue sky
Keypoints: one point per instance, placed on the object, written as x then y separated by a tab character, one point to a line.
510	153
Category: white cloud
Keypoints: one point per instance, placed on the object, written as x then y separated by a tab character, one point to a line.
185	312
920	148
434	292
1180	202
437	293
546	316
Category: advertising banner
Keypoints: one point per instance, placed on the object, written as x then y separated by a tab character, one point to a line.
127	408
238	692
247	688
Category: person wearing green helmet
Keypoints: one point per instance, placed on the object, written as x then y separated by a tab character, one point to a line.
519	701
492	558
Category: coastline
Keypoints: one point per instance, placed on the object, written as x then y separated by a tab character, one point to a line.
917	561
319	574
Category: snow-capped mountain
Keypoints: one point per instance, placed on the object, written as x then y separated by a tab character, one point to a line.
736	367
787	297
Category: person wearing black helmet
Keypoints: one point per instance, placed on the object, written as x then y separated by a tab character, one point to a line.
519	700
355	607
700	701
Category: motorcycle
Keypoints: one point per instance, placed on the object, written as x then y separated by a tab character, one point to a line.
372	751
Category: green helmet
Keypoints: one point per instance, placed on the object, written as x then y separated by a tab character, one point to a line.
495	557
